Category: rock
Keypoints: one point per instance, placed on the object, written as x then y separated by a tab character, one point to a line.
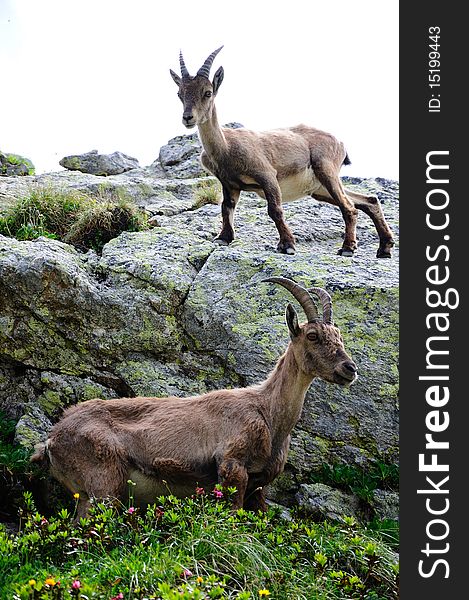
180	157
323	502
157	196
166	311
13	165
32	428
100	164
386	504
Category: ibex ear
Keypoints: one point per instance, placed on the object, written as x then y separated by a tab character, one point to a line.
217	79
292	321
177	80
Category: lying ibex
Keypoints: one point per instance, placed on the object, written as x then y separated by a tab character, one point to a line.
280	164
237	437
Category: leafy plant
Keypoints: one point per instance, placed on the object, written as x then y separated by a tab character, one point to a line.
15	469
358	480
193	548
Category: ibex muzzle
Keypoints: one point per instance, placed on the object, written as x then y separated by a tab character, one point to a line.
197	93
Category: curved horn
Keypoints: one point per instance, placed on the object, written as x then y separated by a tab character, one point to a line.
326	302
184	71
204	70
299	293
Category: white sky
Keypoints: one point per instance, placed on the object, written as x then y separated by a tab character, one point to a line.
82	74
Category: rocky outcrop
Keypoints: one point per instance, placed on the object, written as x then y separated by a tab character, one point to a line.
323	502
100	164
180	156
166	311
14	165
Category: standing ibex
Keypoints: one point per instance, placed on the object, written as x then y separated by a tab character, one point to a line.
280	164
237	437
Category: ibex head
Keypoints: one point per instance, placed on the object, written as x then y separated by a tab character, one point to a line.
317	344
197	93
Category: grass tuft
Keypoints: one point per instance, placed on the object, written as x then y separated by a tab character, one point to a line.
73	217
208	192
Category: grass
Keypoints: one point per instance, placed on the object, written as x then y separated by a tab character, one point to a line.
194	548
73	217
208	192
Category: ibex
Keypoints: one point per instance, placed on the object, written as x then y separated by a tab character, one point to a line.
237	437
282	164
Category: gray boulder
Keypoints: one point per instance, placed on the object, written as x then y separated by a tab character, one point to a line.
100	164
14	165
166	311
180	157
386	504
323	502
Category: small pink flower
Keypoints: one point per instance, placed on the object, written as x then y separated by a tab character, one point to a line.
186	573
131	510
199	491
218	493
76	585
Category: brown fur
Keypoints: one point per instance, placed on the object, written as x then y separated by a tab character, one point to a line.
275	163
237	437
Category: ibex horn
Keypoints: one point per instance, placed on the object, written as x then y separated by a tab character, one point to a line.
204	70
299	293
184	71
326	302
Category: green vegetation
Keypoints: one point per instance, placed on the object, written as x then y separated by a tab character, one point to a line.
360	481
15	468
7	160
194	548
73	217
208	192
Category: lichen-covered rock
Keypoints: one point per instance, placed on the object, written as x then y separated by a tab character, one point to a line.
14	165
323	502
100	164
32	427
180	157
386	504
166	311
58	315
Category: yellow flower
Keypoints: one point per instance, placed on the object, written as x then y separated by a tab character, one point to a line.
264	593
199	579
50	581
32	582
76	496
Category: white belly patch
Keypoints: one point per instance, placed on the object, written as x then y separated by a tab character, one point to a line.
147	489
299	185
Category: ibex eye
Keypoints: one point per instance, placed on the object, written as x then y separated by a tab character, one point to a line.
208	94
312	336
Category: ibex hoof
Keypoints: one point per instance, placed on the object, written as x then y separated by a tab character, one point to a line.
383	253
345	252
221	242
384	250
286	248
